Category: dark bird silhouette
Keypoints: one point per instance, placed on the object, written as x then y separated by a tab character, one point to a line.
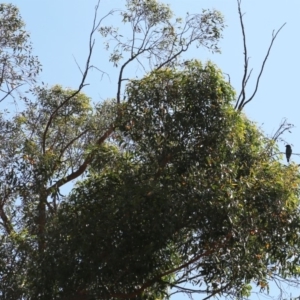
288	152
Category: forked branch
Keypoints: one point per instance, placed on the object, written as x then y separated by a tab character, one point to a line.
242	98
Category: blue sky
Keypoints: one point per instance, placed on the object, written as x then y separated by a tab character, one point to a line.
60	29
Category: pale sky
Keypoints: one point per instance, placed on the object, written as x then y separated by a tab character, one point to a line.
60	30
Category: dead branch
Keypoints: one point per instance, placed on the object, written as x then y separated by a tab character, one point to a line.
242	98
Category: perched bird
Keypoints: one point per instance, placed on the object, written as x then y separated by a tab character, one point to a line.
288	152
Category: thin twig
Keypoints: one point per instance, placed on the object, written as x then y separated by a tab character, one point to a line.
284	126
77	65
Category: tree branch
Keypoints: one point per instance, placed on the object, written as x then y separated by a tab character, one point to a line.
84	165
84	73
284	126
241	101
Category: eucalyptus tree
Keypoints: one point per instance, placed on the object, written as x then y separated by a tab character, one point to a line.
174	184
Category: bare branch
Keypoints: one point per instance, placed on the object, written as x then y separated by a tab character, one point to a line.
241	100
78	65
103	72
246	59
242	105
84	75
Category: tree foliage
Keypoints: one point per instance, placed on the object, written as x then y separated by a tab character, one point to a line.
178	186
189	199
17	64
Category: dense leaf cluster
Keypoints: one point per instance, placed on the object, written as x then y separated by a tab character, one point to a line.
194	196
